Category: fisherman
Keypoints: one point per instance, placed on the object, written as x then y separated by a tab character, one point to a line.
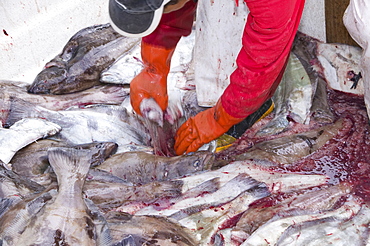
266	43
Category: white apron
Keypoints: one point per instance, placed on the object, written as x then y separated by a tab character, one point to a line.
218	40
356	18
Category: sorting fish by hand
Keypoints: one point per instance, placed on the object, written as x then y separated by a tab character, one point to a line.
79	167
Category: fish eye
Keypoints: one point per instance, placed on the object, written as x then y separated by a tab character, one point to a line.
196	163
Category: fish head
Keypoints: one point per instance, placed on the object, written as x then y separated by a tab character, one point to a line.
196	161
48	80
55	72
104	149
100	151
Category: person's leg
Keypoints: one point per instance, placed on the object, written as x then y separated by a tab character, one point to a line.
267	40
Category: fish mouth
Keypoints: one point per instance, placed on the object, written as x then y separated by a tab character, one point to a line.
109	148
48	81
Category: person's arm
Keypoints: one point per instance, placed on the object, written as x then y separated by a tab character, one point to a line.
156	51
267	40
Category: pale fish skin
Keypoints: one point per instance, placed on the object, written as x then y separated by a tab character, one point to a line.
270	232
92	124
22	133
292	98
322	198
124	69
354	231
206	223
65	221
337	60
300	98
184	207
275	180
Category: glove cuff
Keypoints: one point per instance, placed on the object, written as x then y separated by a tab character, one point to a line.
156	59
224	119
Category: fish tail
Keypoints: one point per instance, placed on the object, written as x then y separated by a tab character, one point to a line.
20	109
69	162
170	188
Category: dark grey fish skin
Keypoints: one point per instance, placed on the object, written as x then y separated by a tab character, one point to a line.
32	161
142	168
83	58
305	48
12	184
147	230
107	94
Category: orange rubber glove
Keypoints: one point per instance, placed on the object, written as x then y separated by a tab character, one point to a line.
203	128
151	82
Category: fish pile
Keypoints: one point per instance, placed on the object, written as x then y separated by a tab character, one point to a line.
79	167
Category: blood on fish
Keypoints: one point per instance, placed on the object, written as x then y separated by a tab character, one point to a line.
6	34
345	158
231	222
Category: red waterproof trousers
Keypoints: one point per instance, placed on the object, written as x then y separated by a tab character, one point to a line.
266	43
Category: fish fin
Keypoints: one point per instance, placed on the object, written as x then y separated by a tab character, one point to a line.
188	211
208	186
96	174
21	109
127	241
5	204
34	206
245	181
67	161
101	225
20	181
170	188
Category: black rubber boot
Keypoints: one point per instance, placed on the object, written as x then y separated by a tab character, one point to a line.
238	130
